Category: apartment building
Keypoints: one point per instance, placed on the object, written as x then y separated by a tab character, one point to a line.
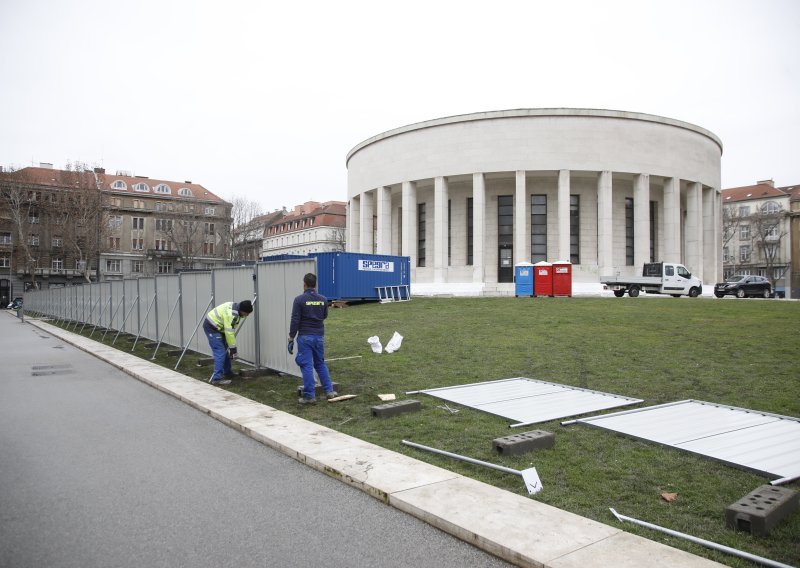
310	227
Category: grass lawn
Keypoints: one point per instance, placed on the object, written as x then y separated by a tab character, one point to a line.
741	353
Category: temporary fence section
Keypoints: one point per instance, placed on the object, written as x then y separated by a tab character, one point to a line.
529	401
757	441
169	309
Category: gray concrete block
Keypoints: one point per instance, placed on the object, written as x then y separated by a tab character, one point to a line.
318	390
759	511
395	408
523	443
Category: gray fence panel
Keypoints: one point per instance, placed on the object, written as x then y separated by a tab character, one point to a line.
117	308
167	291
195	302
148	319
278	284
105	306
233	285
131	308
95	304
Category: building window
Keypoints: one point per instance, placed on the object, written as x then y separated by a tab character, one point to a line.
138	222
33	218
420	234
539	228
33	240
744	253
119	184
159	206
114	222
137	244
470	232
5	238
575	229
629	231
185	192
138	204
57	264
113	243
725	254
771	252
772	232
209	228
208	248
770	208
137	266
113	265
57	242
164	267
653	229
141	187
744	233
163	224
116	202
210	211
162	188
5	262
744	211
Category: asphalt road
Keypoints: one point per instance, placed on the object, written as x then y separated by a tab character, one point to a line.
99	469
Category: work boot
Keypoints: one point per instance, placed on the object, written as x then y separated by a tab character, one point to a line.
332	394
221	382
306	401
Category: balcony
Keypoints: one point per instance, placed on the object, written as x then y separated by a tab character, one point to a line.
167	254
47	272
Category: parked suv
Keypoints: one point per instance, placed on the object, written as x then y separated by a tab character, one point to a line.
742	286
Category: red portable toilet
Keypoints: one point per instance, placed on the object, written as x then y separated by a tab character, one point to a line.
562	278
543	279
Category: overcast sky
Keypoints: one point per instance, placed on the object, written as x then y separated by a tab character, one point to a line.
263	99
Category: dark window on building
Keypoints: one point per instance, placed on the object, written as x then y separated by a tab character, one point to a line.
470	229
505	220
653	230
629	231
575	229
420	234
538	228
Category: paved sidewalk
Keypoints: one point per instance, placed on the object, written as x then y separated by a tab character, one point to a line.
516	528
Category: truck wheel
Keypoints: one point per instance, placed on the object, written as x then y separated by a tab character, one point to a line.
633	291
694	292
619	293
740	293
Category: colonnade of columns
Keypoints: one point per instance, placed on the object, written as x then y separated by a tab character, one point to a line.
694	241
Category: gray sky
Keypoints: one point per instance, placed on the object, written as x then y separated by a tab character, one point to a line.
264	99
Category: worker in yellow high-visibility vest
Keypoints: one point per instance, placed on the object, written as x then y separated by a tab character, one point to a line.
219	326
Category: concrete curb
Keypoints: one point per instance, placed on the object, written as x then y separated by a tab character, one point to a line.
515	528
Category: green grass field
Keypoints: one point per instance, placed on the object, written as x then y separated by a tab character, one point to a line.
741	353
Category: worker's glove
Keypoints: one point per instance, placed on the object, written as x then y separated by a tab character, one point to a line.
290	347
232	352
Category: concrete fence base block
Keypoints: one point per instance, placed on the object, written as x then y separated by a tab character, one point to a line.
523	443
395	408
760	510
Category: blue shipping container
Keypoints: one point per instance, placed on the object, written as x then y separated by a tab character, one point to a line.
357	276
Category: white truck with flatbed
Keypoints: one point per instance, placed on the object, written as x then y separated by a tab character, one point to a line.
657	278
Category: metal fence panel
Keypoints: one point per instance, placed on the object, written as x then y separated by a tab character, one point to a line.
117	301
235	284
278	284
167	298
148	319
130	314
196	301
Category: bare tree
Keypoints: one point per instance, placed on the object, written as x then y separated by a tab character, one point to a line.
244	215
84	215
767	231
20	195
339	238
731	220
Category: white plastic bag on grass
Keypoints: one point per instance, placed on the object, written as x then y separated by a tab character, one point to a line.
394	343
375	343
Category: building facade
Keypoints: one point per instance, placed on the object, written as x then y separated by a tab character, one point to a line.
310	227
248	239
757	233
86	225
468	197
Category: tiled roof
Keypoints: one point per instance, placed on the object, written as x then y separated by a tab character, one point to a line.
63	178
748	192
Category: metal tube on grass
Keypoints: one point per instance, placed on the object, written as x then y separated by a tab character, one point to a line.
532	482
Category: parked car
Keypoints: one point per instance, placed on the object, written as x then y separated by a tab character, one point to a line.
743	286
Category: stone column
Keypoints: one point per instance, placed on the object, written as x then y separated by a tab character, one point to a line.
711	237
694	238
563	215
605	225
409	244
478	224
641	220
383	196
354	225
521	243
366	234
440	198
672	220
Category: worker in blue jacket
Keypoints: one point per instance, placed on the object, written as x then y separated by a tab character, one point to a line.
309	311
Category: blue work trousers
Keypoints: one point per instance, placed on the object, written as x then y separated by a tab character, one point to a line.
311	356
222	360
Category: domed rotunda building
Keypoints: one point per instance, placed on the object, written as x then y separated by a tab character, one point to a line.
467	197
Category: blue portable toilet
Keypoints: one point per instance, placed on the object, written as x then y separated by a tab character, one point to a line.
523	279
